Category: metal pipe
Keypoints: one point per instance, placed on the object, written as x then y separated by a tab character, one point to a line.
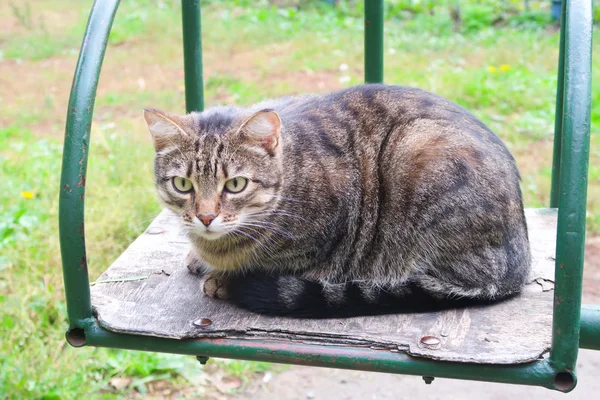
75	157
539	373
373	41
558	114
573	185
589	333
192	55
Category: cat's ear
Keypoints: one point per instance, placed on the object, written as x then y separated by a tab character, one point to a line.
263	129
165	128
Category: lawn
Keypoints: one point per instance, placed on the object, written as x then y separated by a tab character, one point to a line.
501	66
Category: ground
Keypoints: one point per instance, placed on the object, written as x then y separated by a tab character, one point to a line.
301	383
502	67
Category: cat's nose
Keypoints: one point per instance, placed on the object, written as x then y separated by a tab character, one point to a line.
206	218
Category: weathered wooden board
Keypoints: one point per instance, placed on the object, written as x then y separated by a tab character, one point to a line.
148	291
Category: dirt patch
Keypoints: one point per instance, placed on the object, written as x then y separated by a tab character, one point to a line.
36	93
534	156
21	17
302	383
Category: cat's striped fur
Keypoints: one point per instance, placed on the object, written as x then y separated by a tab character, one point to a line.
368	200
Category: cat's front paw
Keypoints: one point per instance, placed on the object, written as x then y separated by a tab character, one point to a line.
194	264
215	286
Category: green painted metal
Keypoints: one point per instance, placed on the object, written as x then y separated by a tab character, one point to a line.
192	55
75	156
538	373
373	41
572	194
558	115
589	333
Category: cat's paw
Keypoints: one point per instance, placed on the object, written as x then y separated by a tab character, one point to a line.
215	286
194	264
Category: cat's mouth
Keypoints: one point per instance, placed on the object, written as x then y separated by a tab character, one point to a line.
198	230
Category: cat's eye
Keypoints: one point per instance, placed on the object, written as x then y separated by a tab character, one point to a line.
236	185
182	185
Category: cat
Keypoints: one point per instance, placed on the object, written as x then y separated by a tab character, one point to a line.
374	199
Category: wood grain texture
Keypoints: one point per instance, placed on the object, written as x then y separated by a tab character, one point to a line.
148	291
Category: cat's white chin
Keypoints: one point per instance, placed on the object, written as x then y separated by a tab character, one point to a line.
201	233
210	235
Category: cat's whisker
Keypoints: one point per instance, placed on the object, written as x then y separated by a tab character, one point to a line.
239	232
274	228
276	196
262	245
276	213
265	224
262	223
266	238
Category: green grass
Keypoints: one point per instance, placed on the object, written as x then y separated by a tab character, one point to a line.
250	53
244	369
35	361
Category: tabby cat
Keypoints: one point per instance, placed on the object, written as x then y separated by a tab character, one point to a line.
374	199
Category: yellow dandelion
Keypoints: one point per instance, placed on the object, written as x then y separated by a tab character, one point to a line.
27	195
491	68
505	67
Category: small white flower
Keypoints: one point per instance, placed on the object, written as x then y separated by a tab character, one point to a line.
267	378
392	51
344	79
344	67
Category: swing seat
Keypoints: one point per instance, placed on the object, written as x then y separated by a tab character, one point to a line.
149	291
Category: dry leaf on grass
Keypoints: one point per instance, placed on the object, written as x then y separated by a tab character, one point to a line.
228	383
119	383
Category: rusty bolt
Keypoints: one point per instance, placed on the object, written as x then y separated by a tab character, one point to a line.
431	342
202	322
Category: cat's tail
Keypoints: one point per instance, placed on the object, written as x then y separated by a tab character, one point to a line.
293	296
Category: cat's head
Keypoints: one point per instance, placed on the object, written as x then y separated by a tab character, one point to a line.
219	169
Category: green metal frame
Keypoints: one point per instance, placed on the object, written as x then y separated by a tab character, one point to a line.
192	55
572	181
574	326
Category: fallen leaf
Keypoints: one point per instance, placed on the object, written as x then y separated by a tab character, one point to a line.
120	383
229	382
